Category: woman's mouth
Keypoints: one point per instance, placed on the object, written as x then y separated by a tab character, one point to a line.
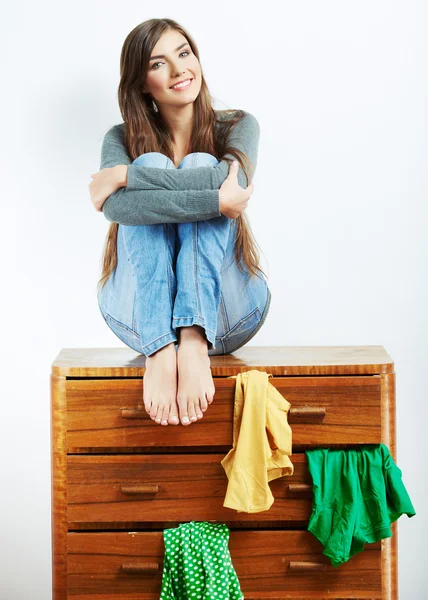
183	86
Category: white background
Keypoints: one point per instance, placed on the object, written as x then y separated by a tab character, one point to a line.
339	209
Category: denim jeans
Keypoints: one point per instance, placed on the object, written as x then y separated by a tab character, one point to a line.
171	275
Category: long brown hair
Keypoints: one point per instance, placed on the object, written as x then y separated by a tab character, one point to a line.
145	131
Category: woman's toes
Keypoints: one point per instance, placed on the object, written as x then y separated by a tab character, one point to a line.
203	403
165	414
147	405
191	411
182	407
173	418
197	409
153	410
210	395
159	414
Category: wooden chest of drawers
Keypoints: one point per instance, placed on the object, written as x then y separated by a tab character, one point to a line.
119	479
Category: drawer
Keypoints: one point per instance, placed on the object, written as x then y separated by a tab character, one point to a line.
109	415
122	491
269	564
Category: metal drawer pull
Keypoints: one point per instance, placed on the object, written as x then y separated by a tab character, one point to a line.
140	488
308	411
307	566
134	413
143	568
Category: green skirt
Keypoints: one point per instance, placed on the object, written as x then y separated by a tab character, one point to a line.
197	563
357	494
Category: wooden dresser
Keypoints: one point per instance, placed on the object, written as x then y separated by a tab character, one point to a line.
119	479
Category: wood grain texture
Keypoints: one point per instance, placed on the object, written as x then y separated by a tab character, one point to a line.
58	487
160	489
389	545
118	479
109	414
277	360
269	564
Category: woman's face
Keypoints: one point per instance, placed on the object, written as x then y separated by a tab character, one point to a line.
177	63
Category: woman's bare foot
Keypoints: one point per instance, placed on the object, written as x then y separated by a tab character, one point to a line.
160	386
195	383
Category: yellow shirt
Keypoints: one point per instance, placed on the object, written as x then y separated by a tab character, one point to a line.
261	443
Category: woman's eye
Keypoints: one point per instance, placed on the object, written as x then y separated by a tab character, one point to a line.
159	63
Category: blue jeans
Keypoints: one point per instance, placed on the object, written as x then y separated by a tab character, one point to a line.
172	275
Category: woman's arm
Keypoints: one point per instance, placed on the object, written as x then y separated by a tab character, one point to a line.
155	205
245	136
149	207
153	195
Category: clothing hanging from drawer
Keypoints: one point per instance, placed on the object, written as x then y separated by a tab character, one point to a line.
262	443
197	563
357	494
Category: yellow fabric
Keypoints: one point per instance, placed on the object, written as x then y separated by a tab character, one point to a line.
261	443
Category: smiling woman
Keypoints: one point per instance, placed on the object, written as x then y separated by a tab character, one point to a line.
167	70
180	265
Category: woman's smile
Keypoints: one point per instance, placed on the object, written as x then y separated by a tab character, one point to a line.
183	86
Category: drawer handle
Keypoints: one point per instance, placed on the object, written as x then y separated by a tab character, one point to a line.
299	489
143	568
140	488
300	411
317	412
133	413
307	566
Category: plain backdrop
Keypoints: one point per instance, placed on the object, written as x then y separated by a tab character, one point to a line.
339	210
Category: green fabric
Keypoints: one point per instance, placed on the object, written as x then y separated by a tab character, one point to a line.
357	494
197	563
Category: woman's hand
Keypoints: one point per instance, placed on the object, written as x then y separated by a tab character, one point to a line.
104	183
233	198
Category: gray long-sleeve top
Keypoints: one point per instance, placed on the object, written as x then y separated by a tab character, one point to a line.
155	195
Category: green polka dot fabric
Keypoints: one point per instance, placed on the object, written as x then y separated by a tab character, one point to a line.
197	563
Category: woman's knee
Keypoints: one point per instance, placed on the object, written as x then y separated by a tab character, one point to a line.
157	159
198	159
154	159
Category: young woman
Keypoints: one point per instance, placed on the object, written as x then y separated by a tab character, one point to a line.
180	264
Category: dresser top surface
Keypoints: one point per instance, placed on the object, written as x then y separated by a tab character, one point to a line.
277	360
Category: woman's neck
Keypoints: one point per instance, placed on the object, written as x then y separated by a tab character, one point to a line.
179	121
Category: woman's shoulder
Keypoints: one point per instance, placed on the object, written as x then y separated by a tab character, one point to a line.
229	113
115	132
119	127
246	122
